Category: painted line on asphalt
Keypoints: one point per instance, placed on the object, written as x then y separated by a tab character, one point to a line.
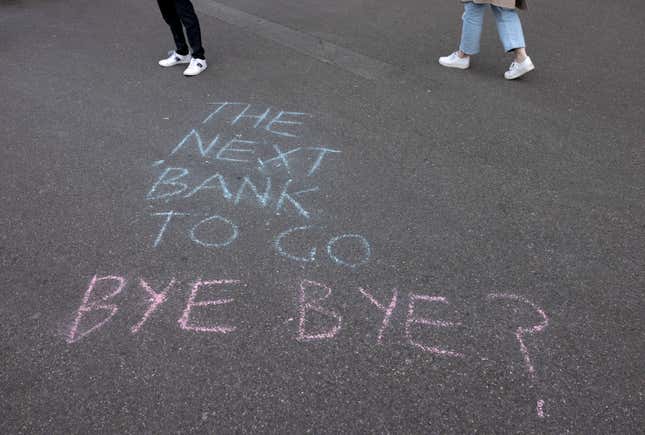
305	43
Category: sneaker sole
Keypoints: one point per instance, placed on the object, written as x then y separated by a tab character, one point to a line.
174	64
453	66
531	68
196	74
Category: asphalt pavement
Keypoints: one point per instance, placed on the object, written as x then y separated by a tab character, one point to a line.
326	231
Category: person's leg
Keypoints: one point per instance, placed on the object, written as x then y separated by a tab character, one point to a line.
169	14
471	30
473	21
510	31
189	19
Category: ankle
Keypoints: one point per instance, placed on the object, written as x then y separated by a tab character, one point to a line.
520	55
461	54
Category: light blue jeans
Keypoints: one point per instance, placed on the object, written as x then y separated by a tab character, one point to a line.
509	27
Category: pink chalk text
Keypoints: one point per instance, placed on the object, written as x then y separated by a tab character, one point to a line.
184	321
308	304
156	299
100	305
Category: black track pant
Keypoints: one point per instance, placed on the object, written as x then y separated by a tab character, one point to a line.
176	13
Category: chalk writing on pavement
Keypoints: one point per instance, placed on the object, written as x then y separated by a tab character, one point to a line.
239	156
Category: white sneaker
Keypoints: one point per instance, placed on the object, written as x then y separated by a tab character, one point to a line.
519	69
454	61
196	67
174	59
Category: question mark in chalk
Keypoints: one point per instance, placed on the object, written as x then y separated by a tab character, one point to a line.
521	332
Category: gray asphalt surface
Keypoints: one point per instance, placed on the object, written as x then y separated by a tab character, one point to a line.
465	253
